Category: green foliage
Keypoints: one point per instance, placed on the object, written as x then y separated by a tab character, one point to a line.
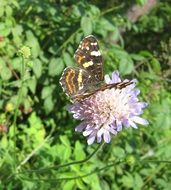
36	132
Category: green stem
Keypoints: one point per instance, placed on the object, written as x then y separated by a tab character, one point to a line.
68	40
63	165
17	110
158	161
112	9
97	170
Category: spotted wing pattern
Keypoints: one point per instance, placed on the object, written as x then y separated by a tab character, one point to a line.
89	57
87	79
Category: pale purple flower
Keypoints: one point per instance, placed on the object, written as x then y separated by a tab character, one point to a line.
108	112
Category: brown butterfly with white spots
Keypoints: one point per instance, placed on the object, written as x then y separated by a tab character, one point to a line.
88	78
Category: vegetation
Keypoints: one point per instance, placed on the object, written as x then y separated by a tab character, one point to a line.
39	148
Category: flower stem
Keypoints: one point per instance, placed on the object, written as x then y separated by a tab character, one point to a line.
64	165
17	110
158	161
97	170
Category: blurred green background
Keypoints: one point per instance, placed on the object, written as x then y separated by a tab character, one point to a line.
37	132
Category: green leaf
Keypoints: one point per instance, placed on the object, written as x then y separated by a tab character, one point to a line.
103	27
66	153
37	68
5	73
24	91
4	30
36	131
2	64
145	53
64	139
156	65
35	121
1	11
80	184
94	10
69	185
56	67
78	151
33	43
68	59
17	32
95	182
128	180
57	148
137	57
126	65
8	11
86	25
141	2
105	185
16	4
16	63
27	105
119	152
32	84
128	148
138	181
48	104
65	147
47	91
76	11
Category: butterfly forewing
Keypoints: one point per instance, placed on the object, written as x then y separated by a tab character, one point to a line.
89	57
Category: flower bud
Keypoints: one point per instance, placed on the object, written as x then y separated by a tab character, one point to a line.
9	107
130	160
25	52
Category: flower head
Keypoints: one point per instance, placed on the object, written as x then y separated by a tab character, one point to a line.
25	52
108	112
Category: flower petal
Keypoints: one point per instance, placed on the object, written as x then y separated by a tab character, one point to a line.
115	77
90	140
119	125
100	132
111	129
106	136
107	79
136	92
125	122
132	124
99	135
87	132
140	120
81	127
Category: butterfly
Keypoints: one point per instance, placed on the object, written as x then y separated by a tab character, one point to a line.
88	78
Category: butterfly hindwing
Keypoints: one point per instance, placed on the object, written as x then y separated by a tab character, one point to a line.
74	81
89	57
